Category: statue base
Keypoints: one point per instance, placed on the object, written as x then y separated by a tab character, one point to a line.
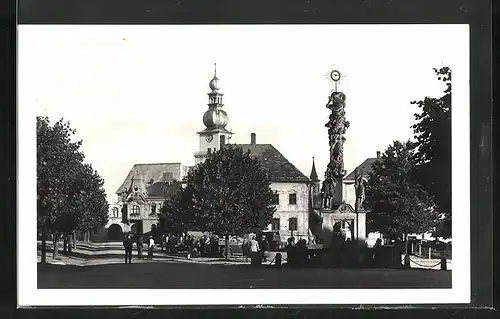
352	224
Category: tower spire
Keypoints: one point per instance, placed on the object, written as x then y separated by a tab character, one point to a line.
215	69
314	175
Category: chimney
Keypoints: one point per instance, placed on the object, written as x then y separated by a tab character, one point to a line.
378	154
252	138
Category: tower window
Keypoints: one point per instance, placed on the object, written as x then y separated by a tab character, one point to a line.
209	151
153	209
292	223
275	224
292	199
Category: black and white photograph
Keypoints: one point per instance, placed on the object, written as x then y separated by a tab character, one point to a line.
278	164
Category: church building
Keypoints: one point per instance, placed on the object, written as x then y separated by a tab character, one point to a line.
148	185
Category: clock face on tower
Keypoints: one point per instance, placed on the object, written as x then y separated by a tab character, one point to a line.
209	138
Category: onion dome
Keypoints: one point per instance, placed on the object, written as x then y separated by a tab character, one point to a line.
214	84
215	118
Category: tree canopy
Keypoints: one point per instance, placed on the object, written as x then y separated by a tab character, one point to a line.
70	193
433	141
228	194
399	205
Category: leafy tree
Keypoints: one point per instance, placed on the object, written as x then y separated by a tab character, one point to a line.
228	194
433	158
90	201
170	217
58	161
399	205
66	188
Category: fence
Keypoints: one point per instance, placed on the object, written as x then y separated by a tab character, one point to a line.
425	250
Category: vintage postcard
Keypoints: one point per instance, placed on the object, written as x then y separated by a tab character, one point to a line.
278	164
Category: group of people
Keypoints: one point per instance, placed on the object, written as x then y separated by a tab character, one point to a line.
206	246
255	249
128	243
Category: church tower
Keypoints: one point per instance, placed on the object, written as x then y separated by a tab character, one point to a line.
215	119
314	179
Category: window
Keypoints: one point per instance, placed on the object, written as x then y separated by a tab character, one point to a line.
292	199
135	210
292	223
209	151
115	212
153	209
275	224
275	200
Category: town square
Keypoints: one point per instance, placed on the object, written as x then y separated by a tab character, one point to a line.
195	166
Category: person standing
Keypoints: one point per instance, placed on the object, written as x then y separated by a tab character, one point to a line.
189	246
254	251
167	237
244	249
162	241
140	245
151	247
127	244
264	246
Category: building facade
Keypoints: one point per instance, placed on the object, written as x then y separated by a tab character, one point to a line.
147	185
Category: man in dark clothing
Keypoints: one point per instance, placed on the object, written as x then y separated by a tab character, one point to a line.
189	245
127	244
140	246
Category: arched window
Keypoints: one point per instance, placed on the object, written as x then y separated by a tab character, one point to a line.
115	212
153	209
135	210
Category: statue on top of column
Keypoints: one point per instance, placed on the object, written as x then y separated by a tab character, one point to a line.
337	126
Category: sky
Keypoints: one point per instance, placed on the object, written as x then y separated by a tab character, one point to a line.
137	94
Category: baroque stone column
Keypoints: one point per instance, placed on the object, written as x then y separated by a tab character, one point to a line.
335	172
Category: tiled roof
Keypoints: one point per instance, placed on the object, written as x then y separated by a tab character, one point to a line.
365	167
163	190
151	172
278	167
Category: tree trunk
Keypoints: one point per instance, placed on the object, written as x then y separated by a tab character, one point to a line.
55	253
70	241
227	247
405	238
65	242
44	244
73	238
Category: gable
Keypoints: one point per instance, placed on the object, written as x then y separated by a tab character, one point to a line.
152	173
